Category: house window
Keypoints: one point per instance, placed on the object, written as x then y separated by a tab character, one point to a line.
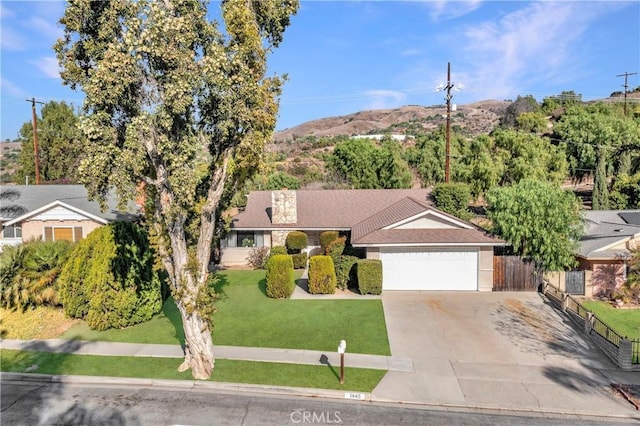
66	233
12	231
245	239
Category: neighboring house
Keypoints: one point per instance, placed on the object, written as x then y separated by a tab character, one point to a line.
421	248
605	247
56	212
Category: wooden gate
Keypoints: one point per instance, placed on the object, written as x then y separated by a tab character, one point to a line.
512	273
574	282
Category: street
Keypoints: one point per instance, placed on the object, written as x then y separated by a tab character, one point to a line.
78	404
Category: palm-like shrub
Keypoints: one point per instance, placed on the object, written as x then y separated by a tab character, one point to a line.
28	273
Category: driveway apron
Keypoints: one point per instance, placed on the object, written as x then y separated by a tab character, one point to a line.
495	350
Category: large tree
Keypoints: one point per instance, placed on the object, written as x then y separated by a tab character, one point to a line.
539	219
60	145
181	106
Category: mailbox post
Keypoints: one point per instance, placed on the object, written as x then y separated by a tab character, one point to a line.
341	349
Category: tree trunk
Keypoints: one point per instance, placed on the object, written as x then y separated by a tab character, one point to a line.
198	351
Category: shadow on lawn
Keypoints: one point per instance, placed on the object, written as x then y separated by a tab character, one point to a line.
219	283
50	402
324	360
262	285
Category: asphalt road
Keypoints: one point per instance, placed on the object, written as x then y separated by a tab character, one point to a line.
76	404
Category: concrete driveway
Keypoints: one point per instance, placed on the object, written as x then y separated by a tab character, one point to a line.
496	350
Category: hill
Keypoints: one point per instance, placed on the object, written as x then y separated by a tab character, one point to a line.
471	119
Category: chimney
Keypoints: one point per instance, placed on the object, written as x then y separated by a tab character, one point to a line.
284	207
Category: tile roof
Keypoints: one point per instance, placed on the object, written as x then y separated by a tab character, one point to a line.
33	197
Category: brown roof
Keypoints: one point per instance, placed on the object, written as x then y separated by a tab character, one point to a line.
425	237
365	213
324	209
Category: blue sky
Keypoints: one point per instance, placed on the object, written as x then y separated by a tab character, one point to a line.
347	56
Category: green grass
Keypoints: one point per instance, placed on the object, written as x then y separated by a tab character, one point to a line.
624	321
247	317
164	328
278	374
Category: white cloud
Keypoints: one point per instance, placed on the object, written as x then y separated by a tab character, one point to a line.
12	40
535	43
443	10
384	99
48	65
11	89
46	28
411	52
5	12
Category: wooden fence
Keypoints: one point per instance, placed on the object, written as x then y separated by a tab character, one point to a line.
512	273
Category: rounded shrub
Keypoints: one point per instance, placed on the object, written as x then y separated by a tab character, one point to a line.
322	275
369	276
277	250
109	279
346	272
299	260
326	237
296	241
279	276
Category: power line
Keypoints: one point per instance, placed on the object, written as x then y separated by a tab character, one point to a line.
626	86
34	119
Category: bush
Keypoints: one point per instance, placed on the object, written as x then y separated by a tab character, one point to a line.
299	260
28	273
258	257
109	279
369	276
322	276
296	241
453	198
280	280
326	237
277	250
336	248
346	272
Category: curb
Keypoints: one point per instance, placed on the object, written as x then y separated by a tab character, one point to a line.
274	390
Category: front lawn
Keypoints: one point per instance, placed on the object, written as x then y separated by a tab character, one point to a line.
277	374
625	322
164	328
247	317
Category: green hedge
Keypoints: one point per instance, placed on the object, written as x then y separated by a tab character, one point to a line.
299	260
109	279
336	248
322	275
453	198
369	276
296	241
346	272
326	237
279	275
277	250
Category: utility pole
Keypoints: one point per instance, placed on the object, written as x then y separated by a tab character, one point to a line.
34	119
625	85
447	162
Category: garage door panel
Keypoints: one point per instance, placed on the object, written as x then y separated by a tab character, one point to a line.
429	269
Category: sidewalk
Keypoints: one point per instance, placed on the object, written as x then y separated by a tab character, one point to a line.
291	356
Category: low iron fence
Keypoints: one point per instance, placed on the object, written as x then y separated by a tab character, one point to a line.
594	324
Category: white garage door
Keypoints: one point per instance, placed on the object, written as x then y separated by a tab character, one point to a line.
435	269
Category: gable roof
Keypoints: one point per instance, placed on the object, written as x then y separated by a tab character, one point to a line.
323	209
605	229
35	199
372	216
